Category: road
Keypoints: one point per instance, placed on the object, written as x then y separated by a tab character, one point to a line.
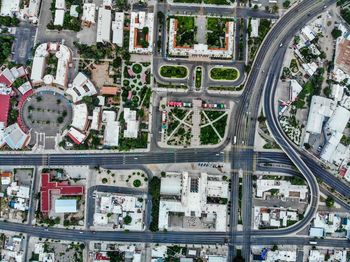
262	80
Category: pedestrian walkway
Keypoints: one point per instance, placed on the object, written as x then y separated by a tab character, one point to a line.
196	120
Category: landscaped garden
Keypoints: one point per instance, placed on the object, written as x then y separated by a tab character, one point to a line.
173	71
213	126
198	82
216	28
224	73
136	85
179	134
185	31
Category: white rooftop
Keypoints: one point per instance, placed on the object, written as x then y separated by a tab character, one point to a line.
118	29
132	125
59	17
112	128
104	21
81	87
320	108
65	205
80	116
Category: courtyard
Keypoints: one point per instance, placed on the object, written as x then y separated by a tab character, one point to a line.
47	112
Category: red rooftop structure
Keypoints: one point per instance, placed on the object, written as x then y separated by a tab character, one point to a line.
4	108
57	188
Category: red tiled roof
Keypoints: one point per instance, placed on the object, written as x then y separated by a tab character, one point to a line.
4	80
4	108
101	257
60	188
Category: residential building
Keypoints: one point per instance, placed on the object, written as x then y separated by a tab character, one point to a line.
89	12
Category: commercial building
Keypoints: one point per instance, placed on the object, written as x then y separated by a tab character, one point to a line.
118	29
81	87
201	49
187	195
333	151
320	109
139	21
132	125
104	21
285	189
80	116
64	56
49	188
112	129
89	12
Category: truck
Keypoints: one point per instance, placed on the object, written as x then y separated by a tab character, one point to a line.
234	140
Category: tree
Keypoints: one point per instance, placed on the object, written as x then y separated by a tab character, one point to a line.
307	146
286	4
336	33
137	183
127	219
115	256
275	8
163	174
145	30
329	202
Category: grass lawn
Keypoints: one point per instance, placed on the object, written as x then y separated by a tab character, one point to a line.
216	2
173	71
185	31
216	30
220	125
208	136
224	73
